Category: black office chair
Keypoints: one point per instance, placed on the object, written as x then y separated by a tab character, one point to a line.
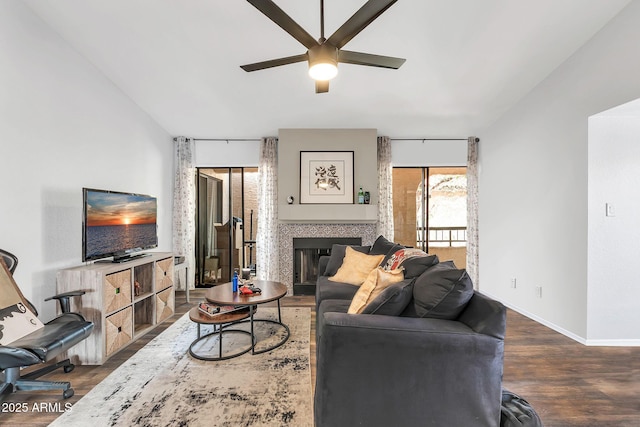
40	346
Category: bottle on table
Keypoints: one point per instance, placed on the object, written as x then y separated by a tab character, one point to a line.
235	280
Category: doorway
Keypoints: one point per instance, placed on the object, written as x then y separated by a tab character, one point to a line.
226	223
430	210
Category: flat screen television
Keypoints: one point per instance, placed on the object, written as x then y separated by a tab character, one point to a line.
117	224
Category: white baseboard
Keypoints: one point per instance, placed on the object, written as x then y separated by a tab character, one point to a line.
613	343
569	334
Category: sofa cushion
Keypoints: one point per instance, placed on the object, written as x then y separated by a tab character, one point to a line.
414	261
391	301
377	281
356	267
326	289
337	257
442	292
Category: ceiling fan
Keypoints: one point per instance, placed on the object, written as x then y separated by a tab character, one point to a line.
325	54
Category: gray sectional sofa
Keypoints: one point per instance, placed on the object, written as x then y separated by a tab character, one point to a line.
427	351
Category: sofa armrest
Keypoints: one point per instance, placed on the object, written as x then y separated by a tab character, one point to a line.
323	261
485	315
378	370
327	289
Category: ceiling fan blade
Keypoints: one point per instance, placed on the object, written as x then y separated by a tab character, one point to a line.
359	58
359	21
277	15
275	62
322	86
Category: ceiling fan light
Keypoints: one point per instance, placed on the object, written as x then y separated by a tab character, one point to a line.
323	71
323	62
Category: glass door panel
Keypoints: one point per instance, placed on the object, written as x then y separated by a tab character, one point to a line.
250	217
212	234
227	200
407	207
434	220
447	207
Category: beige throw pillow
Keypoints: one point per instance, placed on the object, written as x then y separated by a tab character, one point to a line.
355	267
377	281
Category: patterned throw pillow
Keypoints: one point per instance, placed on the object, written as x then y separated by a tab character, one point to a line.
414	261
356	267
377	281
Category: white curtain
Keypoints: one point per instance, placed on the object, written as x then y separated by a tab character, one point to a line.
385	193
472	211
267	234
184	205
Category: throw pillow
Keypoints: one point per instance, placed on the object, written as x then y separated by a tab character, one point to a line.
442	292
385	247
356	267
337	256
414	261
391	301
377	281
381	246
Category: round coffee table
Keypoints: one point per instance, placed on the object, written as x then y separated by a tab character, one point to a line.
271	291
220	324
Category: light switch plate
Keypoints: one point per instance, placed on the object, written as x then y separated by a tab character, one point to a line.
610	211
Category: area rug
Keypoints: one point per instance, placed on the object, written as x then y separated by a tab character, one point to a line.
162	385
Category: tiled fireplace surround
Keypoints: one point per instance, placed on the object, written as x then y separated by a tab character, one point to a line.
288	231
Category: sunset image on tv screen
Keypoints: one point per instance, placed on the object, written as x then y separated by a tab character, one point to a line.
118	222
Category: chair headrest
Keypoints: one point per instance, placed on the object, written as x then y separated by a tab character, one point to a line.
9	259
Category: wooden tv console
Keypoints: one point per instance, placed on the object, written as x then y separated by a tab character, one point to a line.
123	300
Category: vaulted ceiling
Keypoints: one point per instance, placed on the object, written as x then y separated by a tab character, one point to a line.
468	61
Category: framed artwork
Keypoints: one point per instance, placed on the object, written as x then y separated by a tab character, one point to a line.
326	177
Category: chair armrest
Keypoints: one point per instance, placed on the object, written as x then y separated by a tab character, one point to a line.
63	299
426	367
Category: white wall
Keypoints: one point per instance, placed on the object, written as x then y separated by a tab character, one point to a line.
227	154
64	126
363	143
416	153
533	181
614	178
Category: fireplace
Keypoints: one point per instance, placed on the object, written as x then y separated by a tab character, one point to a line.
288	231
306	255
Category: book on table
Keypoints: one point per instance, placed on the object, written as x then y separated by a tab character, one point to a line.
214	309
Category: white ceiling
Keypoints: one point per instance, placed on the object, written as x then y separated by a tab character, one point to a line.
468	61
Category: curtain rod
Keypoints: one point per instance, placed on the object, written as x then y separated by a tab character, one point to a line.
228	139
223	139
391	139
429	139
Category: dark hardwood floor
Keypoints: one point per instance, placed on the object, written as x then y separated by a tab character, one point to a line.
569	384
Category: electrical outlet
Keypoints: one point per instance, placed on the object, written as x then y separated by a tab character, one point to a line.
539	291
513	282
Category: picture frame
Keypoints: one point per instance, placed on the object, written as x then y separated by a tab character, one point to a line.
326	177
